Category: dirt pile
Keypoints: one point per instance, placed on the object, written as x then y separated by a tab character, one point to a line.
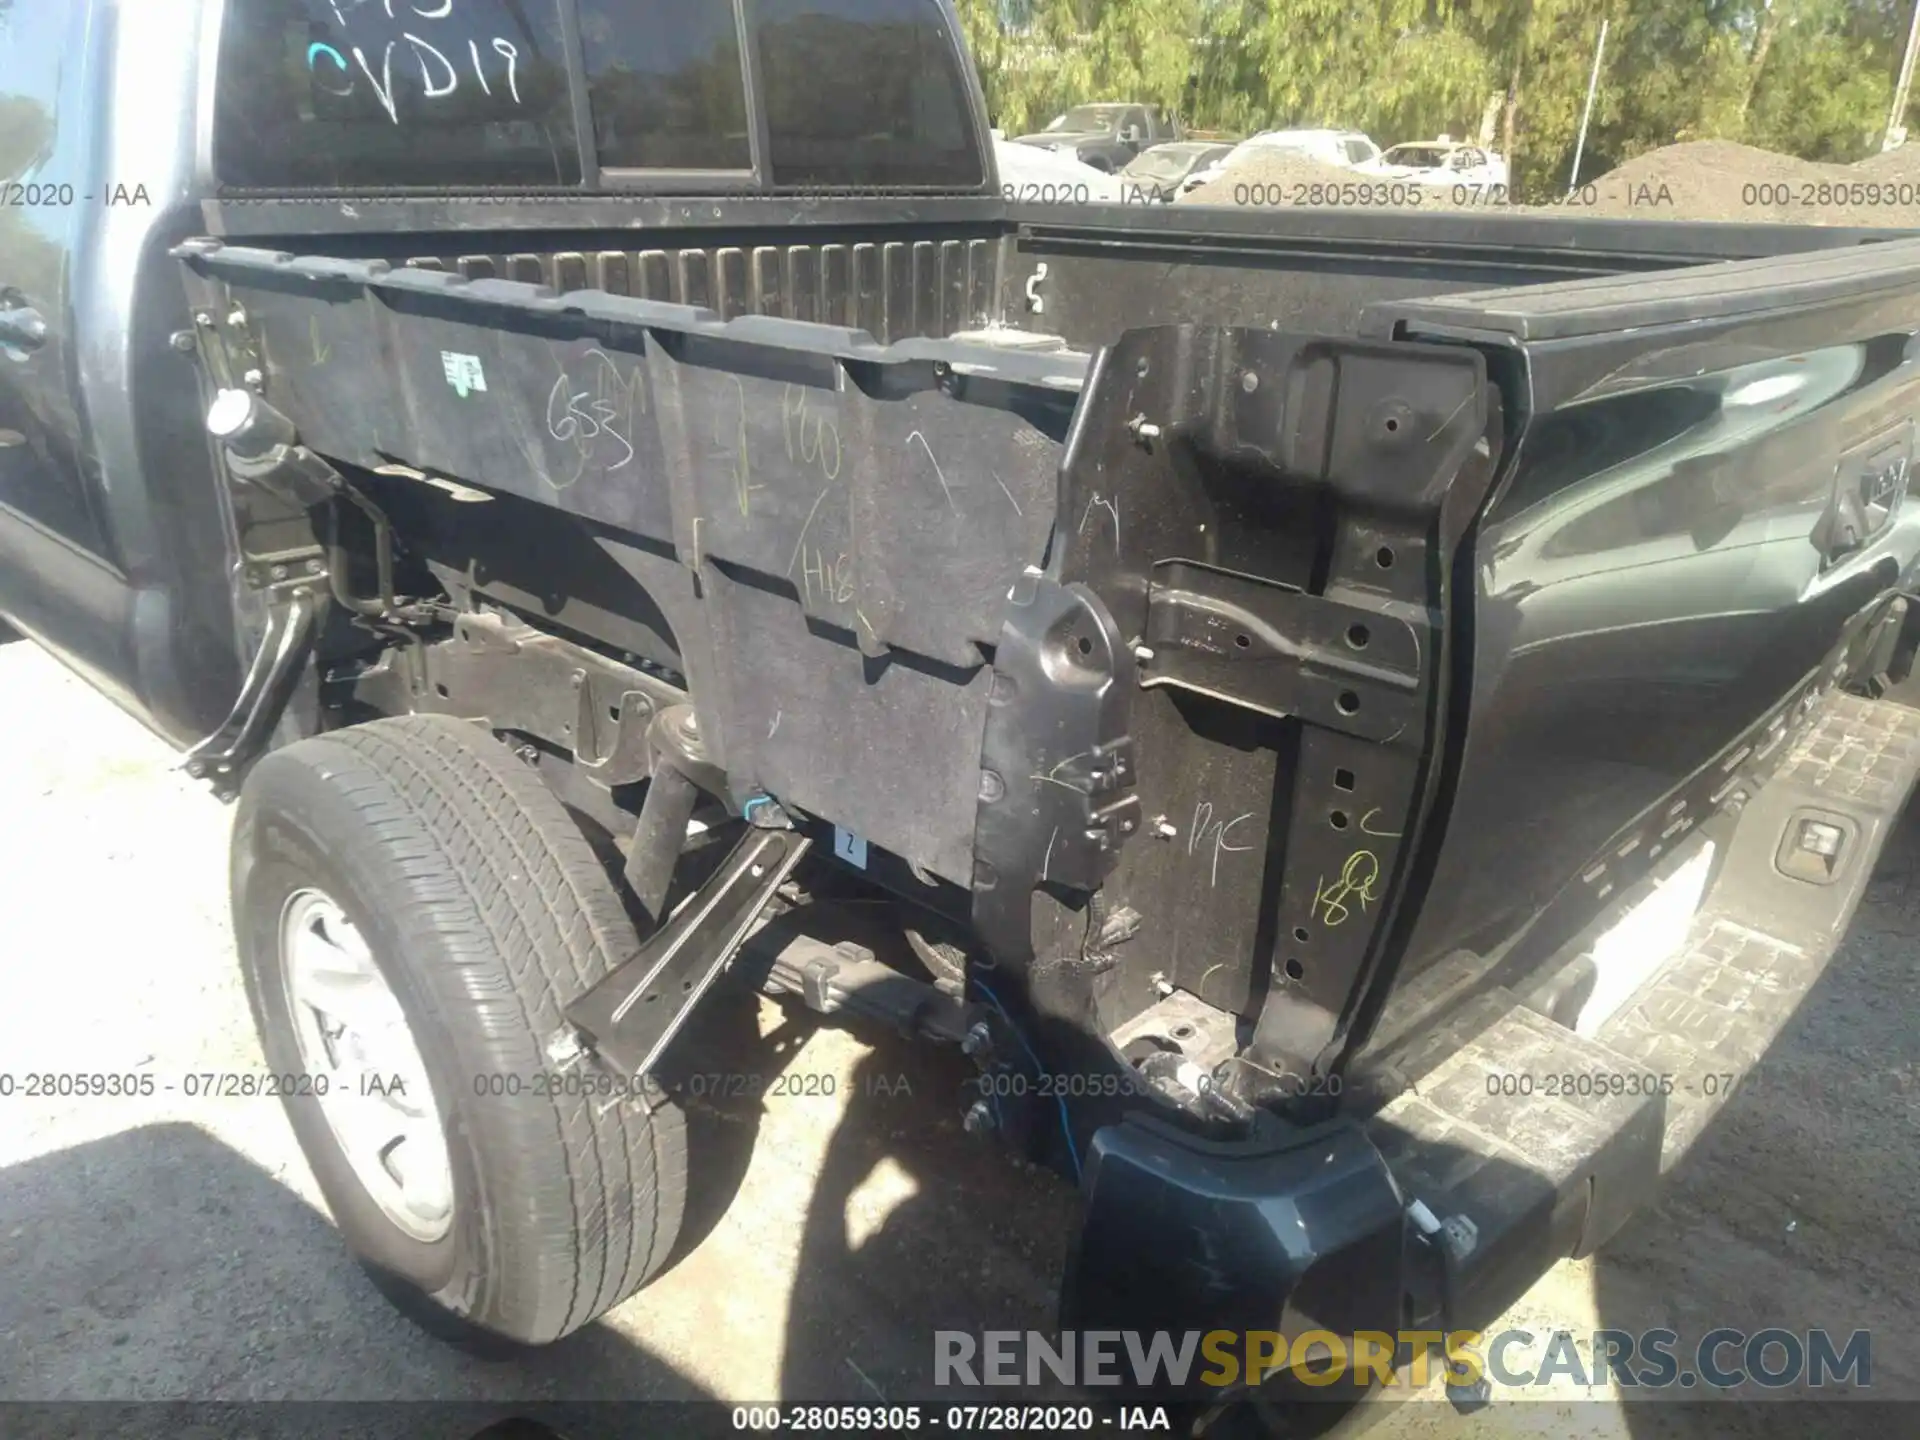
1694	180
1721	180
1902	165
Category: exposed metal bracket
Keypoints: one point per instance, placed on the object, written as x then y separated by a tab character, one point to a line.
299	568
515	677
629	1017
1275	649
846	978
293	620
1272	520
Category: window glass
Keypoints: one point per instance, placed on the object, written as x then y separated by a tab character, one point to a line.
33	44
335	93
665	85
46	135
864	92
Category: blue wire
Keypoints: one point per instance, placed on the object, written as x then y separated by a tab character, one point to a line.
1066	1128
746	811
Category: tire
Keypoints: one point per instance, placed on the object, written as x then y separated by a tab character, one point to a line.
485	911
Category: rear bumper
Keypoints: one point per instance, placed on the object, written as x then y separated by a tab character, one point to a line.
1546	1140
1186	1236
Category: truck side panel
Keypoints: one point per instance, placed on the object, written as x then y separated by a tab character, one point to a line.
853	516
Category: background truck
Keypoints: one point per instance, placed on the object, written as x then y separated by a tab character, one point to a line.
1235	675
1106	136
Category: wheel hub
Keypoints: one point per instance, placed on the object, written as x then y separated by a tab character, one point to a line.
367	1071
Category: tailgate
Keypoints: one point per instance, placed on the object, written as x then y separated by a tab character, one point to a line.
1702	507
1661	807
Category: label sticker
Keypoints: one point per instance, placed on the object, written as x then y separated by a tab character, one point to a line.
850	847
463	373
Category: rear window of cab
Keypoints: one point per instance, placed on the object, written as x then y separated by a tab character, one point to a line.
455	94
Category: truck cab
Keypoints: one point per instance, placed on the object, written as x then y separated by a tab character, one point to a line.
125	124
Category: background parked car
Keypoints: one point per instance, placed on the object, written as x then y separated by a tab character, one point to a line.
1105	136
1051	178
1443	162
1160	173
1348	149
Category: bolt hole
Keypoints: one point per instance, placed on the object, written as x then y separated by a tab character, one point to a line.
1358	636
1392	424
1243	641
613	712
1343	780
1084	645
652	995
439	689
1295	970
1348	702
1182	1031
685	986
1300	934
1383	557
1338	819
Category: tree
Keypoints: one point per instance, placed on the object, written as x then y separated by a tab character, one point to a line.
1810	78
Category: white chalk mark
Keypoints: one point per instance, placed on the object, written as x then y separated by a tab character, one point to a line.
1366	829
864	1381
446	9
776	723
803	535
1047	864
945	488
1009	494
1113	509
508	49
473	49
420	50
1204	825
1052	777
1220	843
383	95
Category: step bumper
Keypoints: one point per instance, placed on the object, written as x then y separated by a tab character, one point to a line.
1554	1172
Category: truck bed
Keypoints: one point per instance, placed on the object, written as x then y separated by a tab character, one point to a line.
1293	685
851	694
1315	269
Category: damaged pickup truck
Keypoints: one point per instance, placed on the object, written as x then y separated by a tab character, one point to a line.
1364	726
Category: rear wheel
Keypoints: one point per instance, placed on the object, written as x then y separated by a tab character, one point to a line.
414	909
